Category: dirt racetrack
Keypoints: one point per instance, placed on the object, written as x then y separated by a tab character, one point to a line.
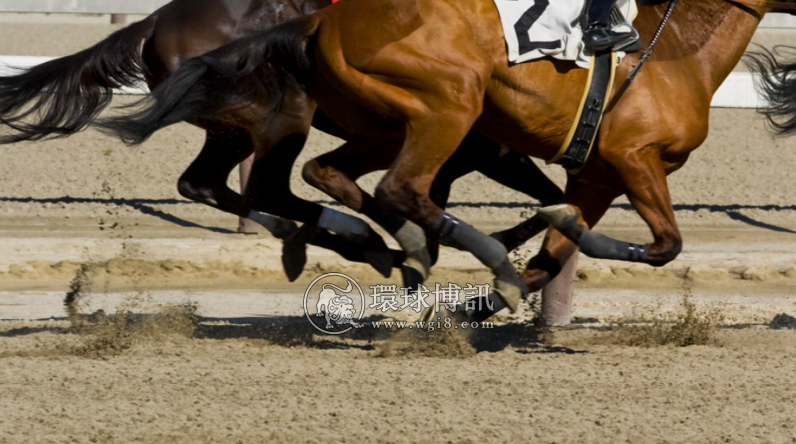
189	333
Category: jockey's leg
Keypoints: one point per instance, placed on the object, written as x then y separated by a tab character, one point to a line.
599	35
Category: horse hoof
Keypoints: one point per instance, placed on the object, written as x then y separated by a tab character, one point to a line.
412	277
294	251
377	254
559	215
294	258
284	229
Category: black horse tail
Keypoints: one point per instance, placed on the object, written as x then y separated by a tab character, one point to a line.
63	96
777	84
230	77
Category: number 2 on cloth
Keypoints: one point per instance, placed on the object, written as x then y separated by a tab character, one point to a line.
524	24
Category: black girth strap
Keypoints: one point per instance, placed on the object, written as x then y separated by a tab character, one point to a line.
575	150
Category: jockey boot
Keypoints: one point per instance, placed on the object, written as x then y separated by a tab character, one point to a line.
599	35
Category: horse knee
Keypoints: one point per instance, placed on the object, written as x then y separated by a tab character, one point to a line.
405	199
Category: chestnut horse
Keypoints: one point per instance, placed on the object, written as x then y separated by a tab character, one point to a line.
424	72
79	86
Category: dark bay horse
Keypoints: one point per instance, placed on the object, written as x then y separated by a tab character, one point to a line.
424	72
78	87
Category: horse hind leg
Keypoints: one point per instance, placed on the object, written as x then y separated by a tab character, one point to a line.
335	173
205	180
268	190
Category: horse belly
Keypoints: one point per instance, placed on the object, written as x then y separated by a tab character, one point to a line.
532	107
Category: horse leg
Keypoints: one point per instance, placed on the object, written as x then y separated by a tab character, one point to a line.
335	173
246	225
205	180
268	190
593	200
431	139
506	167
643	177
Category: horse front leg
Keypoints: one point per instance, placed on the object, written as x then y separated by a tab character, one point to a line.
643	178
592	200
335	173
430	141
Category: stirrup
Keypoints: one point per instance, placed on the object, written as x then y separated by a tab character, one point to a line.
633	43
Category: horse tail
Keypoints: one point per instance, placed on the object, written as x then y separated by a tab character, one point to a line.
229	77
776	82
346	290
63	96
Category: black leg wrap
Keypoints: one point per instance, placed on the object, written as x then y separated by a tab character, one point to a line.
386	219
600	246
482	310
457	234
513	238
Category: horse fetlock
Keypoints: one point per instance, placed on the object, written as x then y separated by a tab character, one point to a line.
510	292
535	280
280	228
349	227
559	216
665	251
411	237
416	267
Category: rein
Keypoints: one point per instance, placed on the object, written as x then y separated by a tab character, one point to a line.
651	47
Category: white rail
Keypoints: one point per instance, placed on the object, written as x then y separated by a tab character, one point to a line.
83	6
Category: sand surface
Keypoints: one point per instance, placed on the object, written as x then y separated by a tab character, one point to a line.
242	364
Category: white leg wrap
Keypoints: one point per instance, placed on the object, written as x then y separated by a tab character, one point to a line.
343	224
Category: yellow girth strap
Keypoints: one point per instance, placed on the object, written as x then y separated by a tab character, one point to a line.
579	123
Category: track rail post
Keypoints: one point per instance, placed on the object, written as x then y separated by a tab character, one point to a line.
557	295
